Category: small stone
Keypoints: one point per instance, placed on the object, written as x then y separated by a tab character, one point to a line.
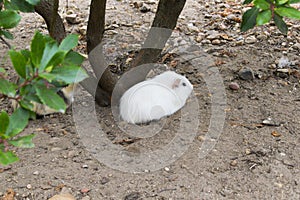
85	166
250	40
133	196
145	9
201	138
296	46
36	173
72	19
137	4
28	186
234	86
280	185
199	38
151	2
248	151
239	43
84	190
167	169
246	74
211	35
86	198
205	41
216	42
104	180
231	17
82	30
66	196
192	28
128	61
56	149
233	163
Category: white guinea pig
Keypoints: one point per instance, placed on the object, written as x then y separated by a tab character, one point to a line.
155	98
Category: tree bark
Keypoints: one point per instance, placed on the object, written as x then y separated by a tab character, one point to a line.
163	24
55	25
95	30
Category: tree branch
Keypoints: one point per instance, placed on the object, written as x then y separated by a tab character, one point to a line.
5	42
55	25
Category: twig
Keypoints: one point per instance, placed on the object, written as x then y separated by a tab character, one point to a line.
5	42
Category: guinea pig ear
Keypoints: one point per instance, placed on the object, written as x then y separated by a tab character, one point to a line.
176	83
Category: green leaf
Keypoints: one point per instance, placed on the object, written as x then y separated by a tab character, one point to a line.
24	141
288	12
263	17
66	74
6	34
33	2
280	24
73	58
50	98
2	70
50	50
7	88
7	158
18	121
37	48
4	122
262	4
69	42
294	1
247	1
19	62
9	19
23	6
26	105
56	59
281	2
249	19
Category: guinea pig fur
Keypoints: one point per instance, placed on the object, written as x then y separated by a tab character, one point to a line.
155	98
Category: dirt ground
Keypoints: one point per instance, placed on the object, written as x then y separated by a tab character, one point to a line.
257	153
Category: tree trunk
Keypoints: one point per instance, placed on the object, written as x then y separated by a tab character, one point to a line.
55	25
163	24
95	30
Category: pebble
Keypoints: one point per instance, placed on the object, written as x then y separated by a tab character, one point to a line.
82	30
248	151
56	149
233	163
201	138
72	19
211	35
85	166
145	9
234	86
84	190
246	74
192	28
296	46
167	169
250	40
36	173
86	198
28	186
66	196
104	180
216	42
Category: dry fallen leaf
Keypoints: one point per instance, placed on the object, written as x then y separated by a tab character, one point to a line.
276	134
9	195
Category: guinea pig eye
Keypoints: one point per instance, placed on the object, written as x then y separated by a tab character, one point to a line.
184	84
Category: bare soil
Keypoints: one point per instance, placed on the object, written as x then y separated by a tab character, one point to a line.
252	159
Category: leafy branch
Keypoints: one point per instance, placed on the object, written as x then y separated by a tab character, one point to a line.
263	11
